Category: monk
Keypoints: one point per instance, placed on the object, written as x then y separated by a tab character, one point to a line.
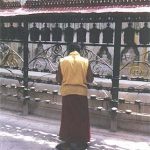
74	72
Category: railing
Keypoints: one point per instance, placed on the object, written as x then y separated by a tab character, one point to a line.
46	60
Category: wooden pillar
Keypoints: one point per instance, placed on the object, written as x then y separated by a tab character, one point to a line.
116	60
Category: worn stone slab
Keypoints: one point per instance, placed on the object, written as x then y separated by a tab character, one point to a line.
19	132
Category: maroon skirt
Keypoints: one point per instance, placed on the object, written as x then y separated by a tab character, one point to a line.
75	124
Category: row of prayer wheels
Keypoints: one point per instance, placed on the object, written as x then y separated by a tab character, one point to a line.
19	33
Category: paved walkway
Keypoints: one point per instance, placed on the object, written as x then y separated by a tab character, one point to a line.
19	132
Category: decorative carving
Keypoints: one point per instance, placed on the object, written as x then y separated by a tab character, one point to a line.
139	69
46	59
9	57
104	54
9	4
129	54
83	3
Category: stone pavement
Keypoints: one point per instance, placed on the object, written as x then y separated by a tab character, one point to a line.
19	132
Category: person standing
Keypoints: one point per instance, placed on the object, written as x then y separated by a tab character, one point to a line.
74	72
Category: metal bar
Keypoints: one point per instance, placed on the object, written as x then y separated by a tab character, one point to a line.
25	71
25	57
116	61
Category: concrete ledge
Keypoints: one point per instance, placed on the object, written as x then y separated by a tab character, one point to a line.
44	103
51	77
134	122
100	118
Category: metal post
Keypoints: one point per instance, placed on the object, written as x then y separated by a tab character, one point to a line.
25	70
113	119
0	27
116	61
